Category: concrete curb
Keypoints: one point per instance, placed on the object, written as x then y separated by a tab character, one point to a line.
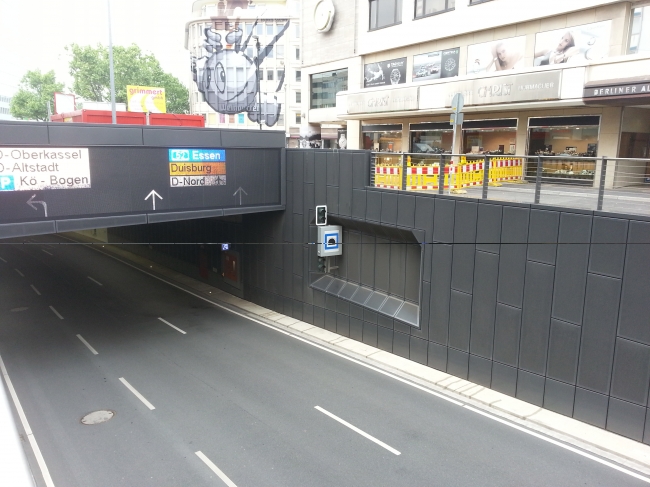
616	448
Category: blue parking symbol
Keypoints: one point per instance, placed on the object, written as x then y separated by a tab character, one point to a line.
331	241
7	183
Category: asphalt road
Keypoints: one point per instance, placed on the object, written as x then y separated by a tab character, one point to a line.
242	394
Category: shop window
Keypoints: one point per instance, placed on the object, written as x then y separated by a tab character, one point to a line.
325	86
424	8
384	13
382	138
222	118
495	137
568	137
240	118
640	30
431	138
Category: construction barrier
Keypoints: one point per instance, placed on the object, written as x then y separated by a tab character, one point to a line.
389	177
425	177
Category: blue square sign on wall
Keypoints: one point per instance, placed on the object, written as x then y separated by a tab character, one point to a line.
329	240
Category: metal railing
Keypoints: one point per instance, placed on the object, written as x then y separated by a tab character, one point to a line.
619	185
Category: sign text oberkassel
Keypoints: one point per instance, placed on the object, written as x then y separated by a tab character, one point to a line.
30	168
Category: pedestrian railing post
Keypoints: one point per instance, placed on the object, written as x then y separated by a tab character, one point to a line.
486	176
441	175
404	170
601	186
538	180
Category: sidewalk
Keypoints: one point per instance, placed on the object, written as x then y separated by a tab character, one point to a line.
563	429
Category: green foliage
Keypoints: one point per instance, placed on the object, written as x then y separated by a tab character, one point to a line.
89	68
36	89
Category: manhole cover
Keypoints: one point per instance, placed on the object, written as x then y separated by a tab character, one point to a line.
16	310
98	417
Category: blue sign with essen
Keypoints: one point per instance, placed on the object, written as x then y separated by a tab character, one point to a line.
197	155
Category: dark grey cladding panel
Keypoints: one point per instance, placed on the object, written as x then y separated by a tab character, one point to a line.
514	227
457	363
559	397
488	227
397	267
245	138
76	134
536	318
484	304
382	264
570	281
507	329
298	187
598	333
25	133
345	186
437	356
631	374
480	370
504	379
608	246
309	205
368	253
370	334
360	169
330	320
401	344
564	347
440	292
512	270
319	317
575	228
353	249
390	306
543	235
462	274
412	273
635	297
408	313
418	350
111	221
385	339
443	220
309	174
333	200
424	211
356	329
626	419
26	229
460	316
530	388
465	222
343	325
359	203
373	206
405	210
590	407
333	165
423	330
389	208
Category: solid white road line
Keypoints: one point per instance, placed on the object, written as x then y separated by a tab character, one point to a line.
560	444
361	432
56	312
96	282
3	260
28	430
48	253
35	290
351	359
215	469
19	273
137	394
174	327
95	352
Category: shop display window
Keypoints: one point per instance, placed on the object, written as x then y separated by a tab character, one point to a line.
431	138
494	137
382	138
570	137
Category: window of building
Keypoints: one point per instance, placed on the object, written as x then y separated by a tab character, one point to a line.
271	52
496	136
325	86
258	29
382	138
279	51
298	118
280	74
222	118
260	74
269	29
249	29
231	119
297	54
298	97
298	75
424	8
281	119
384	13
640	30
269	74
240	118
431	138
296	31
249	52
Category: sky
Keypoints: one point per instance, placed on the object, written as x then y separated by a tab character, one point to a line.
34	33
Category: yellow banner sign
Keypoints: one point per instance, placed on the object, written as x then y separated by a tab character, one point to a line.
197	168
146	99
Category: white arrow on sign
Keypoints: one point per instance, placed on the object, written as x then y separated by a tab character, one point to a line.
153	195
31	202
240	191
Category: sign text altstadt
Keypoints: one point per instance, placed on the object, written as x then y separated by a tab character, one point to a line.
30	169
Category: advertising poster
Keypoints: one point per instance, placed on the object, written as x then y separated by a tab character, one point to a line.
573	45
385	73
501	55
146	99
436	65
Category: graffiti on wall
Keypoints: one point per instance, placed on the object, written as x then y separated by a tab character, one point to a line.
227	77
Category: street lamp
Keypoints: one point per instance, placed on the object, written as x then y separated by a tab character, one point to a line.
259	81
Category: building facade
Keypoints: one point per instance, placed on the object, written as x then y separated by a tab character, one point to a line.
5	104
231	78
554	78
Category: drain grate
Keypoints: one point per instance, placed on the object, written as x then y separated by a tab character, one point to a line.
97	417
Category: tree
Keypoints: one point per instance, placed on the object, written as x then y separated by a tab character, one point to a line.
36	89
89	68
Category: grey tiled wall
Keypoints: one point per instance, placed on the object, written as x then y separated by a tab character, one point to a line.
550	305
